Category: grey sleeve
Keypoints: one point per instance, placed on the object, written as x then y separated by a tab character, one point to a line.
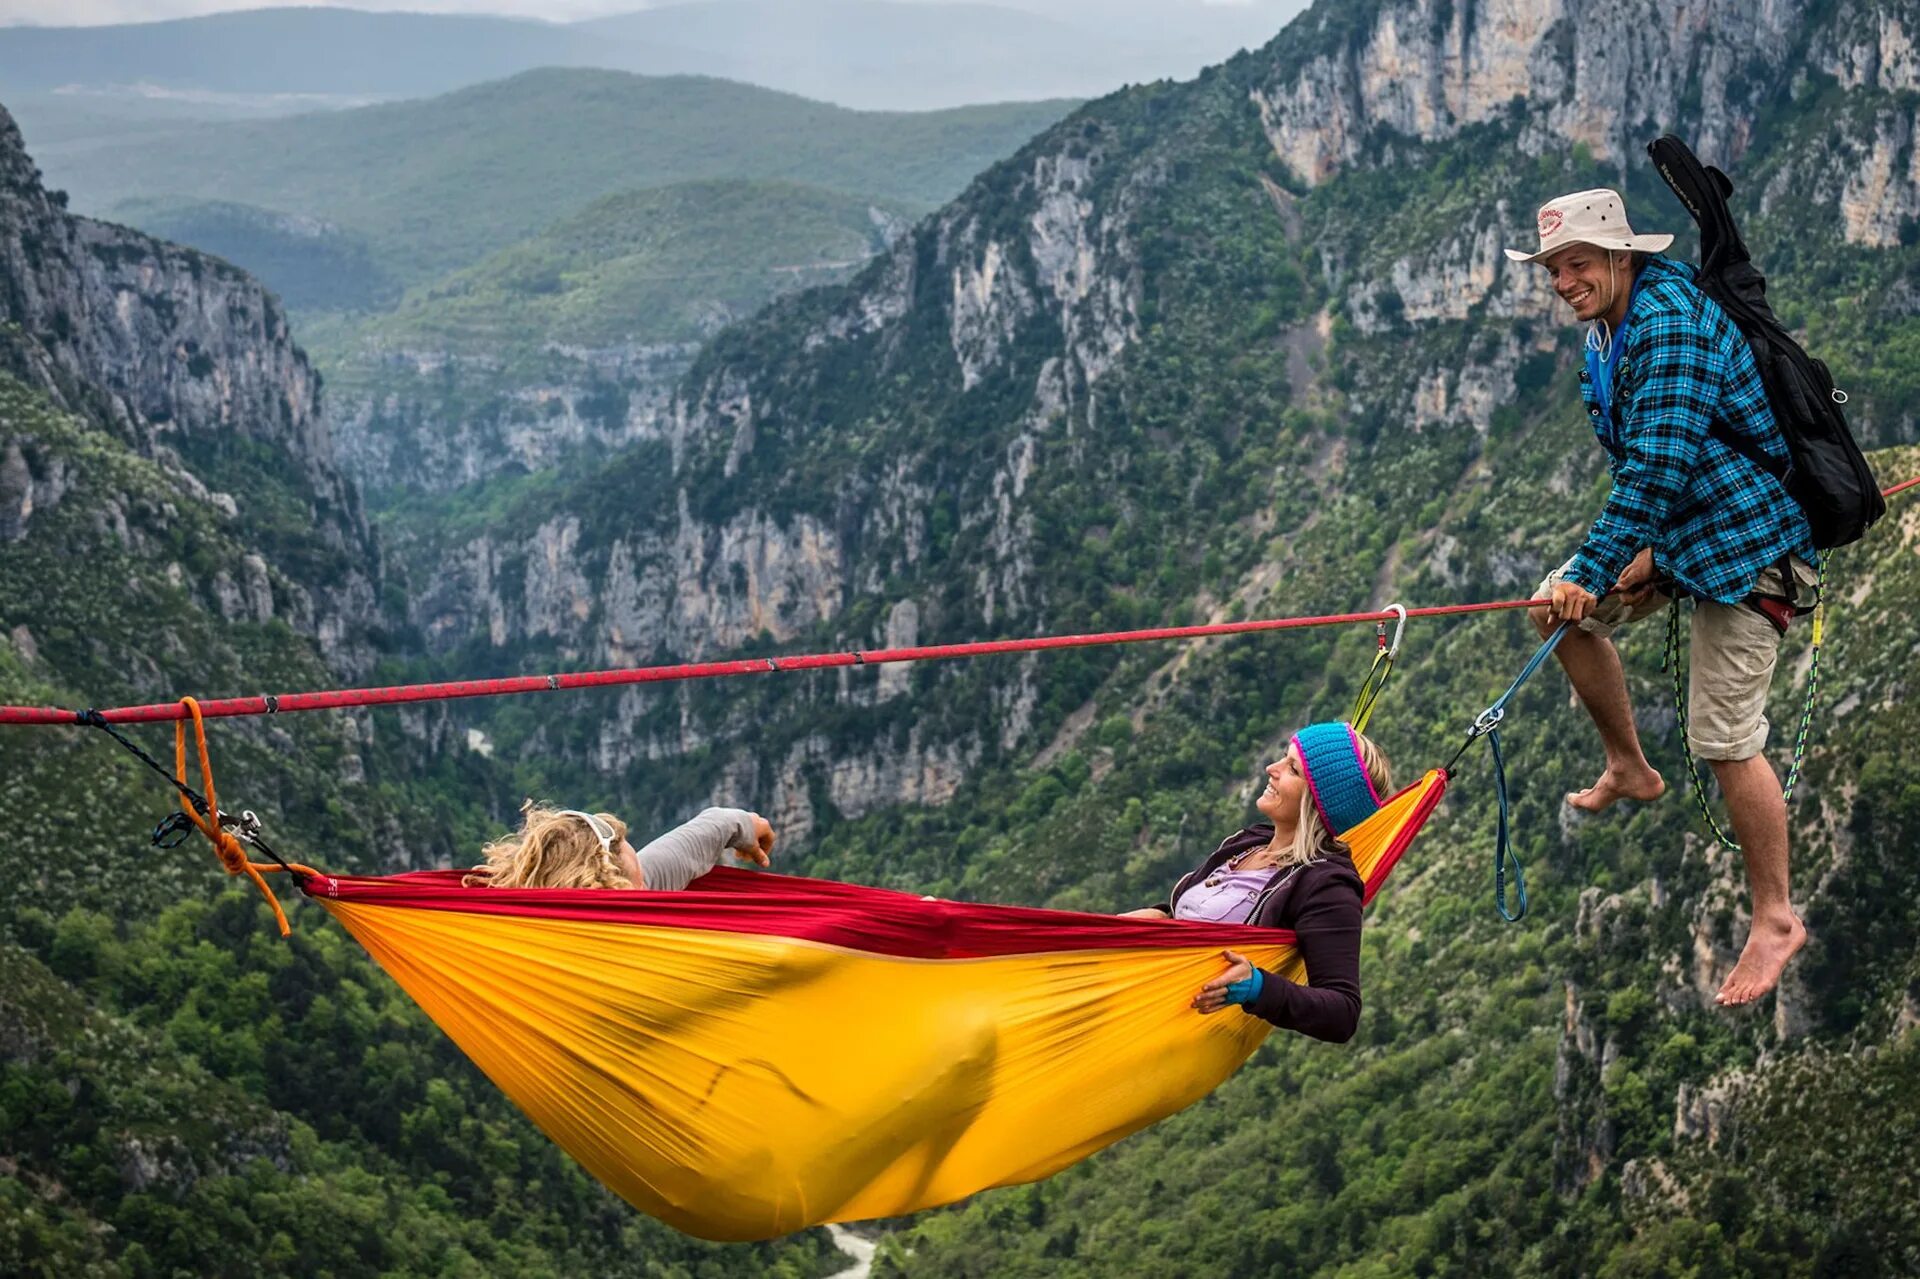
693	848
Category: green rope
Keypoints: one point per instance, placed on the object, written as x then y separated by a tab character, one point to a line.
1671	661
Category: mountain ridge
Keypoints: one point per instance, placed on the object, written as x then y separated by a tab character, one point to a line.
518	153
873	54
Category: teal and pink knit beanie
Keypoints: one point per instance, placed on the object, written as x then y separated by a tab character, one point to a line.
1330	759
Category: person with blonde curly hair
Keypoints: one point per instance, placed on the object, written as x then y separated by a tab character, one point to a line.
567	848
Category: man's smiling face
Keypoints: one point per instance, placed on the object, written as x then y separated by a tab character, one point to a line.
1586	281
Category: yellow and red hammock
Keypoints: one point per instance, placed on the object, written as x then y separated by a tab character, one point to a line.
765	1053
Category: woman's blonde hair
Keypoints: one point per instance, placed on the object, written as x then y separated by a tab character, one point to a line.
553	849
1311	838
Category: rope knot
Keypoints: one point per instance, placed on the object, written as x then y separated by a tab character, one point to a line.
231	855
225	845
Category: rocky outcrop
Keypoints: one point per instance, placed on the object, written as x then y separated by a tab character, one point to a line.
1423	70
1705	1112
192	363
429	421
1871	46
695	591
1878	176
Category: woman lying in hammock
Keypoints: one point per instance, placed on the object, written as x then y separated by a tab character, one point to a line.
566	848
1294	872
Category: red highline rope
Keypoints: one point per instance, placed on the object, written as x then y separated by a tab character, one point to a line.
230	706
225	707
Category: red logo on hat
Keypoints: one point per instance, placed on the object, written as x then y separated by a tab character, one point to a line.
1550	220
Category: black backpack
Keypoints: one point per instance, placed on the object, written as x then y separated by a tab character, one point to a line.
1826	474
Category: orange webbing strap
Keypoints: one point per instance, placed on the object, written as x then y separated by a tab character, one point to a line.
231	854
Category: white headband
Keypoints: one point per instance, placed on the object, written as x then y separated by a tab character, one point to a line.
601	831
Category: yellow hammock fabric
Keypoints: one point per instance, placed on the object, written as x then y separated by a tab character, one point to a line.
766	1053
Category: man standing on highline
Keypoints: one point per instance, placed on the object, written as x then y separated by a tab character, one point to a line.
1667	375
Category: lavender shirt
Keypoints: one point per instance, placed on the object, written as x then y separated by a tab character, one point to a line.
1224	897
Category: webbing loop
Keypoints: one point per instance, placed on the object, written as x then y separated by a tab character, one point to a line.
200	812
1375	682
1503	854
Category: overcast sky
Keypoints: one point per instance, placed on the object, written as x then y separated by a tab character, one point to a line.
89	12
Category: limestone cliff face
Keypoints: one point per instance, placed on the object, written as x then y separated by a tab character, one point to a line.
192	363
430	421
692	578
1423	70
697	591
1370	85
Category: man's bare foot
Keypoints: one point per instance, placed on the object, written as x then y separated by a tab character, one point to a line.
1617	784
1770	945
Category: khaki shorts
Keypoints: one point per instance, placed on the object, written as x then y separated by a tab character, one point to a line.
1731	652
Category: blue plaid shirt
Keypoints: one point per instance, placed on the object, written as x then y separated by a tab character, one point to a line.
1713	519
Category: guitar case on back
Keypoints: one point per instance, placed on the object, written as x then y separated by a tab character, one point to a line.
1826	474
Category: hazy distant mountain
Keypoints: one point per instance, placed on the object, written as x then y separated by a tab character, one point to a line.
876	54
329	51
312	264
879	53
438	184
663	264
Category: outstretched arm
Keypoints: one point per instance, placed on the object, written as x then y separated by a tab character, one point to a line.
693	848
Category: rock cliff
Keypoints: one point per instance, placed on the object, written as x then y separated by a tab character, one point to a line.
192	364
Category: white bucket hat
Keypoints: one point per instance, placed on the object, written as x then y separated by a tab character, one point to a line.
1597	217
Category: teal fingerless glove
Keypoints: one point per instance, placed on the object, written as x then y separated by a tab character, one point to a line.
1246	990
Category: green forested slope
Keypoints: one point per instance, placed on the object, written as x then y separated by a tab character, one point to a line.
592	317
660	267
635	266
437	184
313	265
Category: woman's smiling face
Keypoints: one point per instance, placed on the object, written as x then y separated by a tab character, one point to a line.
1280	801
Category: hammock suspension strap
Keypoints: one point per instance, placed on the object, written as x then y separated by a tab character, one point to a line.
1487	725
202	812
